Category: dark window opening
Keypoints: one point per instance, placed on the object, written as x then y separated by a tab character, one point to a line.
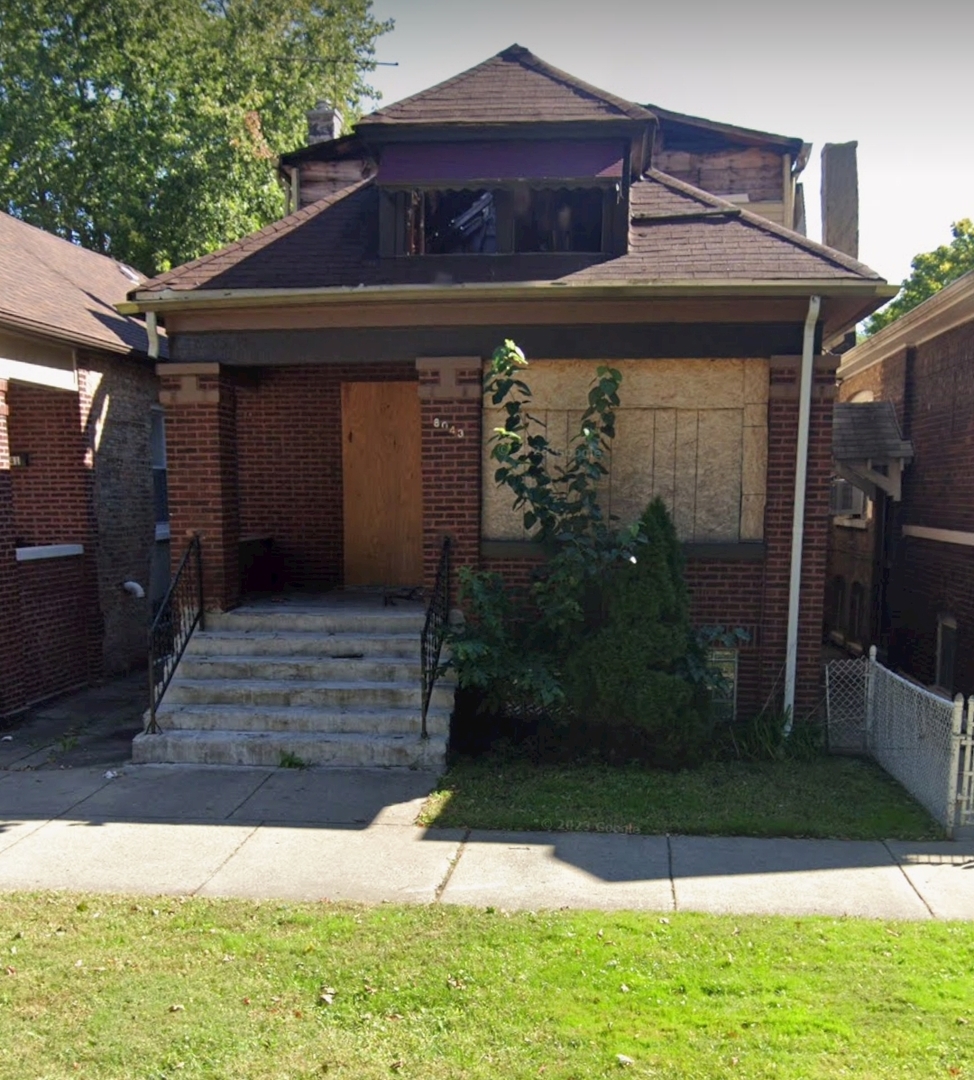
557	220
946	652
451	223
517	219
857	613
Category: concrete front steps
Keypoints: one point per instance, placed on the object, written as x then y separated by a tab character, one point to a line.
338	684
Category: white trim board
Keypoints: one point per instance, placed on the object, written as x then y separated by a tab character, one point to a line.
48	551
942	536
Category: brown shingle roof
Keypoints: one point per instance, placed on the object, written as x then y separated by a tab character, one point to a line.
52	287
513	87
678	233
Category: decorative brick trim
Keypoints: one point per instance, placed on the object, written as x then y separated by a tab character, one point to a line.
449	378
188	390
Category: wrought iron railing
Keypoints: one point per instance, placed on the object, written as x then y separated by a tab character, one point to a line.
178	616
434	629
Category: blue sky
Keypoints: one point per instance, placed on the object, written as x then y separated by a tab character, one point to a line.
896	77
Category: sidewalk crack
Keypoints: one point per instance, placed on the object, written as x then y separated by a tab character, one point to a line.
206	881
453	865
909	880
246	799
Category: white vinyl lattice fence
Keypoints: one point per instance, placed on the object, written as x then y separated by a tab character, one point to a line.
925	741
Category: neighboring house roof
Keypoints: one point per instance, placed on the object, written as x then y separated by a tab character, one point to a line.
950	307
513	87
867	431
54	288
671	120
677	234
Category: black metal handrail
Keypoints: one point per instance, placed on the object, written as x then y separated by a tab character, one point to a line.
434	629
178	616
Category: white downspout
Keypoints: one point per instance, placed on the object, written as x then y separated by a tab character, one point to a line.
152	332
798	520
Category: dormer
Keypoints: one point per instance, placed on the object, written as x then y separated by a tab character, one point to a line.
512	157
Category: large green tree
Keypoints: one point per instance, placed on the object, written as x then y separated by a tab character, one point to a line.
931	272
148	131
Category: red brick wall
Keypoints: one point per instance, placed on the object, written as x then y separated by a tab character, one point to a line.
782	446
52	494
11	636
451	411
289	443
56	626
50	620
201	461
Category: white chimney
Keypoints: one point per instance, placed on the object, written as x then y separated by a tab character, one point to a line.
324	123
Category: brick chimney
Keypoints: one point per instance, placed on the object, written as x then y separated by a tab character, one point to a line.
840	198
324	123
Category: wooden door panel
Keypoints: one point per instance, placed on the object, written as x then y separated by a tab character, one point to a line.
382	484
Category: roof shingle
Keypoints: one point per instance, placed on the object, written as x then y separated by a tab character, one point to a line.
55	288
677	234
513	87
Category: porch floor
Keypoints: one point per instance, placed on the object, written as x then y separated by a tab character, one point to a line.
353	601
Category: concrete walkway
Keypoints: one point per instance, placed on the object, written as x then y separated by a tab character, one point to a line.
349	835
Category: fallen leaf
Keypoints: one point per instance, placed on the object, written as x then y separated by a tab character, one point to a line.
624	1060
398	1064
177	1008
624	988
10	970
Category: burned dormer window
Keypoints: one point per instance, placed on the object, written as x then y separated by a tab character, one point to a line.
513	219
451	223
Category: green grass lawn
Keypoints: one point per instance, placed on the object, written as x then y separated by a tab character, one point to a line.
825	797
110	988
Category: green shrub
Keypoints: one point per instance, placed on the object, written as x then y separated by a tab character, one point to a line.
627	672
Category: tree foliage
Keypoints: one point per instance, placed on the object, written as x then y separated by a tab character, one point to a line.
931	272
149	131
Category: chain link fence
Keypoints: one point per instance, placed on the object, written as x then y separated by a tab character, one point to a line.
922	739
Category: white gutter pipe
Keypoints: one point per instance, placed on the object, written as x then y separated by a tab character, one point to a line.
798	519
152	332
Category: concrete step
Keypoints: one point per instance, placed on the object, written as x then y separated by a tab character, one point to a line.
301	718
301	668
389	620
302	643
330	693
272	749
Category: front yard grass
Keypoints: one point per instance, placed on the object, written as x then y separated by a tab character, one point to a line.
827	797
111	988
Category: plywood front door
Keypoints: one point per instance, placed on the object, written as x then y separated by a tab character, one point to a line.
383	488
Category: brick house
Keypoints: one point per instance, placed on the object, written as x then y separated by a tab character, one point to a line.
323	390
78	394
901	561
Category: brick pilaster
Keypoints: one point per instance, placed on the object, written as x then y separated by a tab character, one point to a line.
782	445
201	459
12	684
451	408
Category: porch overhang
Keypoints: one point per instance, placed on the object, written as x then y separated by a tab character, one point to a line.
845	302
868	447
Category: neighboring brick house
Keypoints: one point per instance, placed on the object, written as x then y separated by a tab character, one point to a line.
324	382
77	513
901	572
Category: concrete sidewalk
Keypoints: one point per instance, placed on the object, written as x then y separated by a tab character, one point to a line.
349	835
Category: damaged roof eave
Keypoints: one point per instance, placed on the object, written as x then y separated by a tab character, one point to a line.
872	293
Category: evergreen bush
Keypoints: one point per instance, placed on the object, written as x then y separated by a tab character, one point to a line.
626	674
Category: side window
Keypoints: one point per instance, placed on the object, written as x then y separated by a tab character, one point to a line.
160	492
946	651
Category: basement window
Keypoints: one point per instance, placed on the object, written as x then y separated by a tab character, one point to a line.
724	697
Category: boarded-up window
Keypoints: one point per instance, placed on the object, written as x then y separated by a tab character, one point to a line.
691	431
